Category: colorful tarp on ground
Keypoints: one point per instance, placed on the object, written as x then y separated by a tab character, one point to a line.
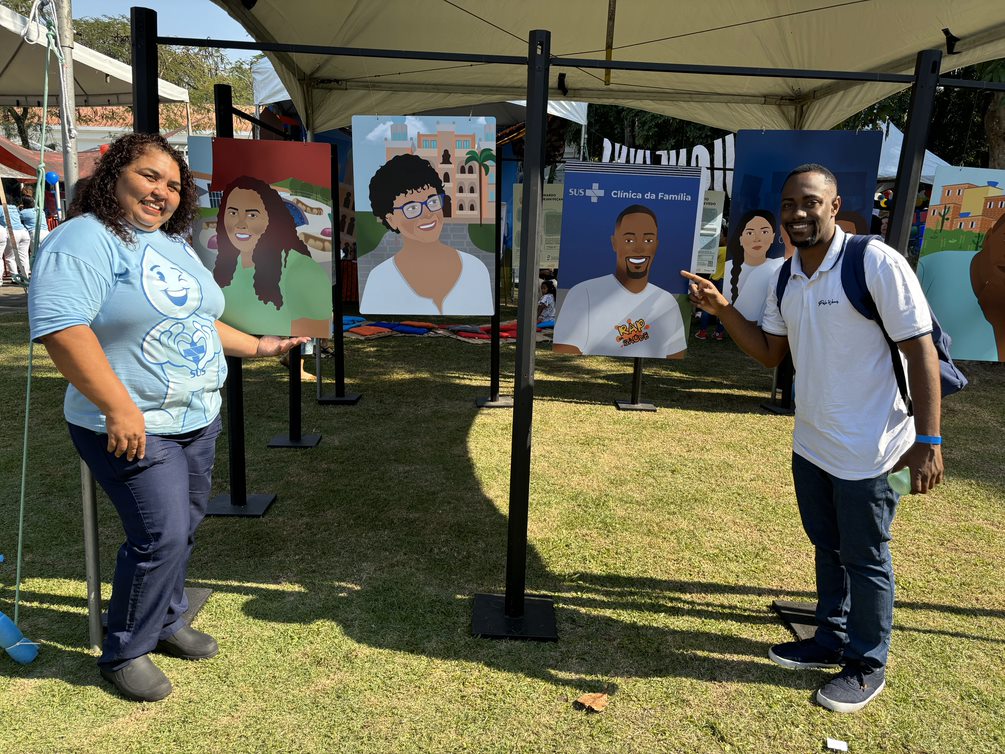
962	263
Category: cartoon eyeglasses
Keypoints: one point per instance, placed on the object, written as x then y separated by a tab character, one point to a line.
412	210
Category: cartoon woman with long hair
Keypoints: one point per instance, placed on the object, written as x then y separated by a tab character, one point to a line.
748	269
426	276
271	283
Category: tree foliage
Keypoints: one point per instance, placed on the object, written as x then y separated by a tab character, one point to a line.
196	69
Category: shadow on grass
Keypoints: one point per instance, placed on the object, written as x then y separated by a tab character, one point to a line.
386	530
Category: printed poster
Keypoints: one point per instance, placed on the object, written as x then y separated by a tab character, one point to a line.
551	221
264	228
627	232
962	263
710	232
425	214
757	244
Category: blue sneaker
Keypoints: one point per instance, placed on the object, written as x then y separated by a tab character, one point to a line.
803	655
852	688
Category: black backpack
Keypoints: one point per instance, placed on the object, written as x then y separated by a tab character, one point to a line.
853	281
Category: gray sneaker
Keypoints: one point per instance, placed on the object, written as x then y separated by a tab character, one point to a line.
803	655
852	688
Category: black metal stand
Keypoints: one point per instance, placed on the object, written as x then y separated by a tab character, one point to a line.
238	502
340	398
800	617
912	153
146	119
495	400
515	616
781	401
295	439
635	404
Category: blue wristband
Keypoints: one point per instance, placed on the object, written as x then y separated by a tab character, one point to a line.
929	439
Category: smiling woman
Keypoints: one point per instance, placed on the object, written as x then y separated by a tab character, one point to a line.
426	276
269	279
129	316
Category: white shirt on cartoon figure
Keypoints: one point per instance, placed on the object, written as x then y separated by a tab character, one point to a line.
601	317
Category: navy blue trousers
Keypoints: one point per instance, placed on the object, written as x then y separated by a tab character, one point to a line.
161	500
849	524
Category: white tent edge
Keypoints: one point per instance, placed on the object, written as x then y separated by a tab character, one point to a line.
113	69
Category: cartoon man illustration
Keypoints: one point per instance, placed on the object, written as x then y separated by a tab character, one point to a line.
987	277
624	314
182	344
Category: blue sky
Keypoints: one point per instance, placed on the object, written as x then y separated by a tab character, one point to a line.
175	18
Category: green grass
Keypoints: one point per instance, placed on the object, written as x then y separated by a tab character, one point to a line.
343	615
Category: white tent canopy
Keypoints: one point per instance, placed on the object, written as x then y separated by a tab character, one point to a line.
269	89
98	79
889	157
855	35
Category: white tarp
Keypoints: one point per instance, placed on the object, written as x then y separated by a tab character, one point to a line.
98	79
881	36
889	158
269	89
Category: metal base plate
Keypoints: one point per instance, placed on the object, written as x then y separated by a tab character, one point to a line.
256	505
502	401
284	441
800	617
197	598
489	621
627	405
777	408
349	399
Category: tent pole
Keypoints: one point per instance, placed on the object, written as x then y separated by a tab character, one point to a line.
517	616
912	153
68	102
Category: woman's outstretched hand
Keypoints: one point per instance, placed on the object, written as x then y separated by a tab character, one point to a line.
273	345
704	294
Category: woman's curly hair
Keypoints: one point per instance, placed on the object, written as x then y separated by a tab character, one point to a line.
96	195
272	250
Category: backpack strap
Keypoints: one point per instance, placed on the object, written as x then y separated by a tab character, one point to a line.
784	273
855	288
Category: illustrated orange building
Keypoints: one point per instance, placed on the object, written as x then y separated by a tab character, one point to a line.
967	206
446	151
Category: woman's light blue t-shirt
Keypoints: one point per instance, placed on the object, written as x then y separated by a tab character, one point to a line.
152	305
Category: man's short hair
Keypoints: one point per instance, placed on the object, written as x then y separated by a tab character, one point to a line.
813	167
636	209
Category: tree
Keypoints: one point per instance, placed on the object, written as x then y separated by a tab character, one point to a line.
194	68
994	118
943	215
482	159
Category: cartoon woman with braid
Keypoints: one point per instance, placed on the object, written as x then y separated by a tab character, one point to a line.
748	269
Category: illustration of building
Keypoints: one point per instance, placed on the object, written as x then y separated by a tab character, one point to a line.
967	206
472	193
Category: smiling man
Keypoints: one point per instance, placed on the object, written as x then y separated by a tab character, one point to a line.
852	426
624	314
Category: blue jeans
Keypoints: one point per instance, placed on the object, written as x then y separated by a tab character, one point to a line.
161	500
708	320
848	523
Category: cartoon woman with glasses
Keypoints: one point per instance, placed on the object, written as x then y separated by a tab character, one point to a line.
426	276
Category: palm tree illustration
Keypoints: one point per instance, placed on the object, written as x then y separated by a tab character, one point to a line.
482	158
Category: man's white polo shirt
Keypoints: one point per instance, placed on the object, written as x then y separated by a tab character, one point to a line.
850	419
